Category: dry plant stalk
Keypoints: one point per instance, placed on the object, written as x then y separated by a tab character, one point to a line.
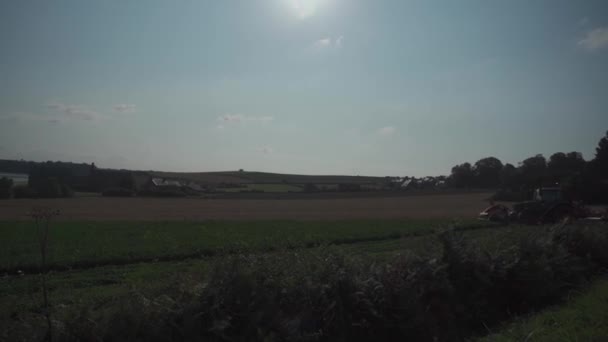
42	218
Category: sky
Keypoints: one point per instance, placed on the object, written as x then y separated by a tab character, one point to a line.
351	87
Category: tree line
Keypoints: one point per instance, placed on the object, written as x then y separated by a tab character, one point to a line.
60	179
578	178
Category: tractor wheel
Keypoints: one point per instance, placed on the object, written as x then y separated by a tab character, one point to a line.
558	213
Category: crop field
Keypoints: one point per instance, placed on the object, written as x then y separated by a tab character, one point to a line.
95	261
147	258
276	188
431	206
86	244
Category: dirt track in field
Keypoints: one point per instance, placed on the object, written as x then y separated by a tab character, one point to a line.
103	208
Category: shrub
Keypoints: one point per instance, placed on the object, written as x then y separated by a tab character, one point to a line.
6	187
323	295
162	193
543	271
48	187
24	191
586	242
66	190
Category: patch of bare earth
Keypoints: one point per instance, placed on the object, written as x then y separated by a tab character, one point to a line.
153	209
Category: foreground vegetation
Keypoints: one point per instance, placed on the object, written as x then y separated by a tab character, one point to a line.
446	284
583	318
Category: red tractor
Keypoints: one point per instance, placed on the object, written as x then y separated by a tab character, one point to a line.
547	206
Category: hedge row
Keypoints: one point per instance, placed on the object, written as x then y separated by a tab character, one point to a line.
326	296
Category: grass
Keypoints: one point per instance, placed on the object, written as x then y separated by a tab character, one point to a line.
82	244
583	318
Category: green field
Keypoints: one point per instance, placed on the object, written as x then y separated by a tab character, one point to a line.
249	177
266	188
116	258
94	243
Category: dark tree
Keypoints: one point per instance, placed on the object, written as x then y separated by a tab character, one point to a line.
48	188
487	172
508	177
532	171
462	176
561	163
127	182
601	155
6	187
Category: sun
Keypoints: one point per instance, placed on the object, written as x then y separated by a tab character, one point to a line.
305	8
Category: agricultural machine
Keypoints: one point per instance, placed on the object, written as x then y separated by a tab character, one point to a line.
547	206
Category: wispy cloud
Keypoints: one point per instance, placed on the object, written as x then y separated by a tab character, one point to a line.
339	41
324	42
387	131
124	108
595	39
18	117
74	112
329	42
228	119
266	150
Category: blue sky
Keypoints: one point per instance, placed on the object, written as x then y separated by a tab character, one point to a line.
301	86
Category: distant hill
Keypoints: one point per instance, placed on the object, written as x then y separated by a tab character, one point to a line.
205	178
252	177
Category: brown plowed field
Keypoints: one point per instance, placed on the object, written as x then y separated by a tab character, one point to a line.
103	208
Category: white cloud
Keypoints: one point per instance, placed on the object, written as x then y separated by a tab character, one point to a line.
329	42
387	131
75	112
124	108
228	119
595	39
324	42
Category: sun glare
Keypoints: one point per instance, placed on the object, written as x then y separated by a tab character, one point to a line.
305	8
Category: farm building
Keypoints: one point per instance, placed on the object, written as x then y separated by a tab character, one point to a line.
407	184
18	178
158	183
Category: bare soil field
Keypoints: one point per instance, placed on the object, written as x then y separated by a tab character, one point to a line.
466	205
